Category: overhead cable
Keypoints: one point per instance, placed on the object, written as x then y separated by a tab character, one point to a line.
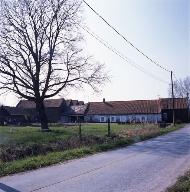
126	40
121	55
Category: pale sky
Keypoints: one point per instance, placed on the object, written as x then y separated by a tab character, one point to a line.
160	28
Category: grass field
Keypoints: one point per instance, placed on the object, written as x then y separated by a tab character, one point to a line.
30	135
25	148
182	185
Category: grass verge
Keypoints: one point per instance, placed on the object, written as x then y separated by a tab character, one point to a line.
182	184
56	157
34	162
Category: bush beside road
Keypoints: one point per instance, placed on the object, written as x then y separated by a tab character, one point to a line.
182	184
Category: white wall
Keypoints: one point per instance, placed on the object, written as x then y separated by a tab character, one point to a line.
124	118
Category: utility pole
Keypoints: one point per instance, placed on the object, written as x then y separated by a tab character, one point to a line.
188	104
188	98
80	130
173	101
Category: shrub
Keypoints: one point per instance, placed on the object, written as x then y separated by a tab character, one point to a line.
13	152
182	185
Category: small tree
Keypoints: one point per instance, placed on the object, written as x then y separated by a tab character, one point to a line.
39	50
181	87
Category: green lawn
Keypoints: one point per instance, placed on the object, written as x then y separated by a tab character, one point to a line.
25	148
31	135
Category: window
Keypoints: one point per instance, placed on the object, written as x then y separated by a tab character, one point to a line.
143	119
113	119
102	119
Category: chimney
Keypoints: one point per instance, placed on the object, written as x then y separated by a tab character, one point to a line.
104	100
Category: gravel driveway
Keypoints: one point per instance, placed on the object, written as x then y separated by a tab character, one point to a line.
149	166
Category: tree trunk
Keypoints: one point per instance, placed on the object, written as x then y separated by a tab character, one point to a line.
42	115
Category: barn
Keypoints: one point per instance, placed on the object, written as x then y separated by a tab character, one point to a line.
57	110
69	111
13	115
137	111
181	109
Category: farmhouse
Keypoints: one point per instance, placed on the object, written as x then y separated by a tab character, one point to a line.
57	110
181	106
53	109
13	115
70	111
137	111
74	113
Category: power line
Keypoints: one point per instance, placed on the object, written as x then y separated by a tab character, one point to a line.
121	55
126	40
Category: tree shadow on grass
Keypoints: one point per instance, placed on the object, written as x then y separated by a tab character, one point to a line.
6	188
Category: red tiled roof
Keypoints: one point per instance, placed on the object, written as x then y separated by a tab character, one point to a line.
51	103
115	107
124	107
135	106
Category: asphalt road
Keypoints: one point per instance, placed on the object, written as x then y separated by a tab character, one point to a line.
149	166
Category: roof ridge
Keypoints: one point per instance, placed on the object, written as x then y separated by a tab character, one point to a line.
125	100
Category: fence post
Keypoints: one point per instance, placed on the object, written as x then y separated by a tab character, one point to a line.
80	130
109	130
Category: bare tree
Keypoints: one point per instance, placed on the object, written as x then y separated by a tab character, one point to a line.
40	53
181	87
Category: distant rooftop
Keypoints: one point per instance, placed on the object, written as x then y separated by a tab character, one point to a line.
49	103
135	106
